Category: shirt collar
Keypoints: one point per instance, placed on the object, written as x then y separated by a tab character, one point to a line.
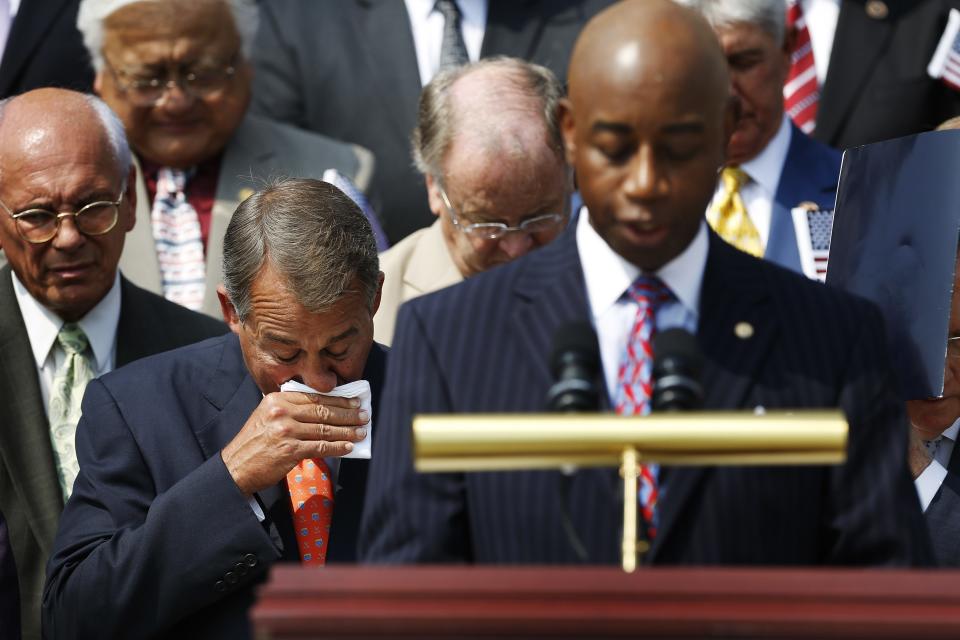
43	325
765	168
608	275
474	11
951	431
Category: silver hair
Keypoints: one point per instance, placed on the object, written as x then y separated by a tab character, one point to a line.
315	238
92	14
769	15
112	127
436	120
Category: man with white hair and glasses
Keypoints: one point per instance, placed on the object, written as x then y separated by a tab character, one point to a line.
177	74
67	202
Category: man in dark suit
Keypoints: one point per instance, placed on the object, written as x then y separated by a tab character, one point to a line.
876	85
44	49
188	459
934	454
63	273
374	56
784	168
646	127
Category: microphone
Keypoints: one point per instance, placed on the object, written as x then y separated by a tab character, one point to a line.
677	365
575	363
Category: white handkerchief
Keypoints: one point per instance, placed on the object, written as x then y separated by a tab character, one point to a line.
359	389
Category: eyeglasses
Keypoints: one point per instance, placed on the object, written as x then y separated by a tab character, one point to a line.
37	226
953	347
201	81
497	230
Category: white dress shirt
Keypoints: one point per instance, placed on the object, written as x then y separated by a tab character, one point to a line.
764	170
607	276
43	325
928	482
821	17
426	24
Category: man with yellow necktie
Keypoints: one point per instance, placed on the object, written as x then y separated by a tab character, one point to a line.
773	167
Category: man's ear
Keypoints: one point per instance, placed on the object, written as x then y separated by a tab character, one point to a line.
376	298
433	196
731	116
229	312
567	129
131	195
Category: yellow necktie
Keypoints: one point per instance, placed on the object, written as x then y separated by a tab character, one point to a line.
729	217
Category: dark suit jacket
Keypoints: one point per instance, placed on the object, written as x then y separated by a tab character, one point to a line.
348	69
157	539
45	49
810	173
483	346
877	85
943	515
30	493
9	590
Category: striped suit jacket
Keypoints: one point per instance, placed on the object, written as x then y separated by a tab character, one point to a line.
483	345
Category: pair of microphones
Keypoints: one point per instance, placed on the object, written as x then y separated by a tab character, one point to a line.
575	363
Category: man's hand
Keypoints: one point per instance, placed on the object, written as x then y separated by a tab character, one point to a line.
288	427
917	454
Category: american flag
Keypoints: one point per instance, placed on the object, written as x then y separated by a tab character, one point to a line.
945	63
814	227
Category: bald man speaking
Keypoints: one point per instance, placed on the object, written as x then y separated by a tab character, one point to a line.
645	126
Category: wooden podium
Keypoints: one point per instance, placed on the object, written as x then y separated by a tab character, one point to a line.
591	602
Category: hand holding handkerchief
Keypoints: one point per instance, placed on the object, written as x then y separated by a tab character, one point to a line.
359	389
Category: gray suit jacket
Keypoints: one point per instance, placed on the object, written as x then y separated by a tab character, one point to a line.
30	495
260	149
419	264
348	69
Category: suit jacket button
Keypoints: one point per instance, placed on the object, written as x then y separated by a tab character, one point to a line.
240	569
250	560
231	577
221	586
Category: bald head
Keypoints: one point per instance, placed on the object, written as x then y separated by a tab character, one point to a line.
38	119
646	126
652	41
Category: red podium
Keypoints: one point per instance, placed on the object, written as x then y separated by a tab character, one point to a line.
553	602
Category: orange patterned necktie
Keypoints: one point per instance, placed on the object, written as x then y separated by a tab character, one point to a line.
311	496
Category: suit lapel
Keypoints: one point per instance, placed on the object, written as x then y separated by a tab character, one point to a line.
510	31
857	46
232	395
28	31
139	258
430	267
806	176
733	293
383	31
550	292
25	437
244	159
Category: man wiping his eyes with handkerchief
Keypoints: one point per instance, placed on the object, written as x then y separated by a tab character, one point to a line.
201	467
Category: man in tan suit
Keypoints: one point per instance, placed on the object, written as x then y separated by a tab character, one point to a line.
176	72
488	145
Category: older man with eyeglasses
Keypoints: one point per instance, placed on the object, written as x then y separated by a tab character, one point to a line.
176	73
489	147
67	202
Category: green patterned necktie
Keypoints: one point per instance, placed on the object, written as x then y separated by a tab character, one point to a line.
69	381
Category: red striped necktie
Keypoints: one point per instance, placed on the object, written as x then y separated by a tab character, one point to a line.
635	380
801	93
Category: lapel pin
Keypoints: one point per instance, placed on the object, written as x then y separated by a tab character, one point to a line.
743	330
806	205
245	193
877	9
